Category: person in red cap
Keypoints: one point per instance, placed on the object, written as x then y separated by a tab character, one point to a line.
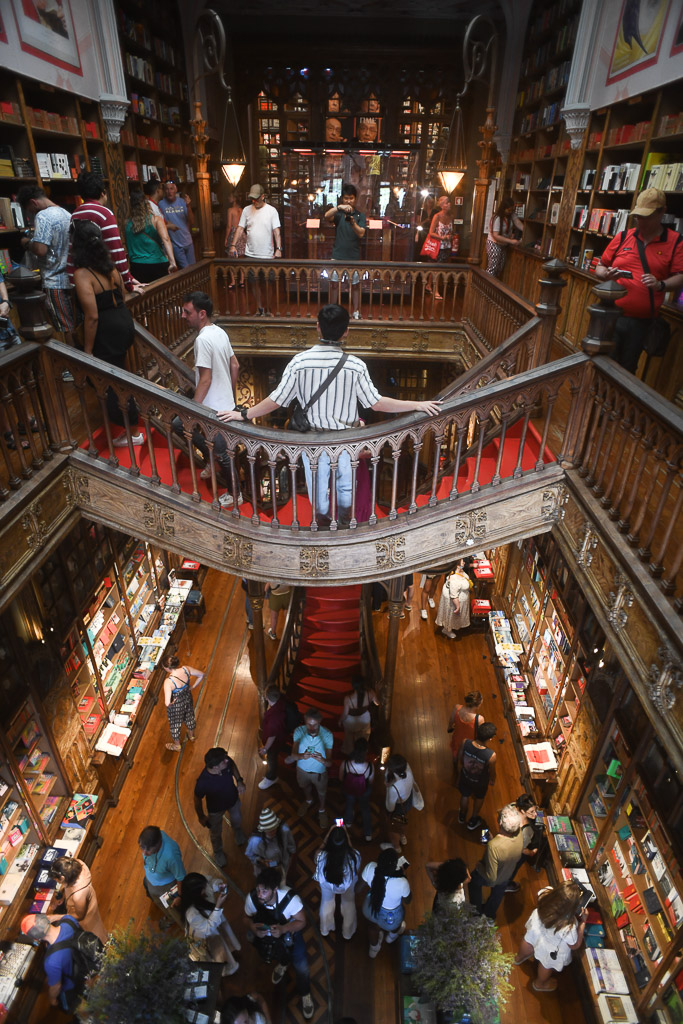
648	261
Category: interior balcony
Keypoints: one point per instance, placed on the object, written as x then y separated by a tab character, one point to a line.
525	443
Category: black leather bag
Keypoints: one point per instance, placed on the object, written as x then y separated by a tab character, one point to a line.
298	420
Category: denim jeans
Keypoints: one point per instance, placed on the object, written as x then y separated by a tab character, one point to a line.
300	965
495	899
344	491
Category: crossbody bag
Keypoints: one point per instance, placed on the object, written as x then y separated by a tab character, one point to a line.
298	420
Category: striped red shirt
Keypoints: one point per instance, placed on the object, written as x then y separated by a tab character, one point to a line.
106	222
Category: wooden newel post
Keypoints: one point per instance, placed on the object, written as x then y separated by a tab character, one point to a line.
256	590
203	182
603	316
395	610
548	309
29	301
481	185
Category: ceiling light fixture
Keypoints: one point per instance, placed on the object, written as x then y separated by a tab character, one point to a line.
233	160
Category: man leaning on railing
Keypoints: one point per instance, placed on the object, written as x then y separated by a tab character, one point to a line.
335	408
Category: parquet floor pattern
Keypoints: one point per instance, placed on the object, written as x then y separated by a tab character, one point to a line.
431	674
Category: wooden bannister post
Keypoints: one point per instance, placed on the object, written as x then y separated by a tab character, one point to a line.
29	300
481	185
200	139
548	309
395	610
603	316
255	589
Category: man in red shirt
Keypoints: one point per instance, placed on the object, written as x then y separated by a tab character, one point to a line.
621	261
274	734
92	190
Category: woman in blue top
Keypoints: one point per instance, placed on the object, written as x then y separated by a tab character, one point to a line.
149	248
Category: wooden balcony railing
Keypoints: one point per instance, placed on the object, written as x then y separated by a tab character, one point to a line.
629	452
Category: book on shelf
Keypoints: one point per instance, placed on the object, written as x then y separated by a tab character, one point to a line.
606	973
567	842
616	1009
81	809
596	805
570	859
559	823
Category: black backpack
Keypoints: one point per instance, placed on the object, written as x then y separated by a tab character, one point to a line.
86	958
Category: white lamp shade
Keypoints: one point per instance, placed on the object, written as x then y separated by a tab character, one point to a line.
232	171
450	179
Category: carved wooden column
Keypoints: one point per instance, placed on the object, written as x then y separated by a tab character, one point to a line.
481	185
395	610
29	301
548	309
203	182
256	591
603	316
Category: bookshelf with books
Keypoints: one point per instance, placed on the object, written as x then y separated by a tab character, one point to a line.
156	136
19	839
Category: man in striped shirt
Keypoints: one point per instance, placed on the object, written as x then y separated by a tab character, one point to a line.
93	192
337	407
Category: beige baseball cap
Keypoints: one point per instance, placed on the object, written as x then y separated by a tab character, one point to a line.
648	201
256	191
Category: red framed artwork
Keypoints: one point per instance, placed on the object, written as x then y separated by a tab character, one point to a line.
638	38
3	34
677	45
46	30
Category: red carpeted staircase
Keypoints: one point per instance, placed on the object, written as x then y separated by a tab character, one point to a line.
329	653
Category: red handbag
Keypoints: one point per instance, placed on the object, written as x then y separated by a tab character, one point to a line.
431	247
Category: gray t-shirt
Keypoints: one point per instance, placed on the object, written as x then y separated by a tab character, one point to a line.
52	229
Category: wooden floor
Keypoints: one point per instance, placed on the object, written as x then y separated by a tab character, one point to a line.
432	673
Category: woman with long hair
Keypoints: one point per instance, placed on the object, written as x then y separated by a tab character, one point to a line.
209	935
356	774
78	895
355	717
272	845
400	784
464	721
109	330
249	1009
384	905
502	227
441	228
454	604
178	698
149	248
553	931
336	871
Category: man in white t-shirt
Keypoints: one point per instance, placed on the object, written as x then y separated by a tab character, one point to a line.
261	225
275	917
216	369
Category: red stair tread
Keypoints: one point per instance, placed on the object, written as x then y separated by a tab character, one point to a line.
341	686
334	619
332	665
331	593
323	636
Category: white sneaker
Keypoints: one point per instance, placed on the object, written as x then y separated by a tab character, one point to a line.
356	315
266	783
431	602
307	1007
423	613
225	500
122	440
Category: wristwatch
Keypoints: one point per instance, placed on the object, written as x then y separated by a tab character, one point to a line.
662	286
243	412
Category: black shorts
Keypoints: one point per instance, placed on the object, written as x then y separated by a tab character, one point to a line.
470	787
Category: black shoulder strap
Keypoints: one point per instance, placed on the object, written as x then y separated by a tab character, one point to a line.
622	239
326	383
57	947
284	902
646	268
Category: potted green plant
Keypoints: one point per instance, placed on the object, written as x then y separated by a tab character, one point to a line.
142	978
460	965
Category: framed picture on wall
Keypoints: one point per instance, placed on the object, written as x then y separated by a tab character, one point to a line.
46	30
3	34
368	129
338	129
638	38
677	45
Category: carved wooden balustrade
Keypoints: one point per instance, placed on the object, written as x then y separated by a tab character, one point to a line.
402	292
159	308
281	671
629	452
